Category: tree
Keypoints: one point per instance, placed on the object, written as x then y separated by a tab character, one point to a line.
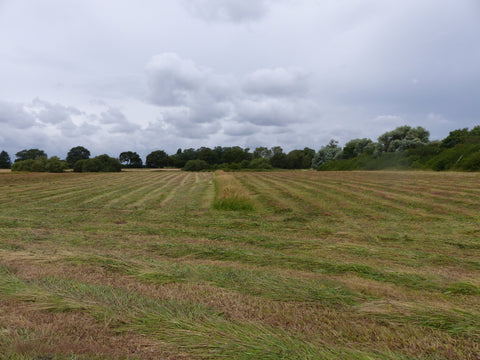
236	155
461	136
208	155
279	158
31	154
5	161
157	159
326	153
77	153
262	152
403	138
130	159
300	159
356	147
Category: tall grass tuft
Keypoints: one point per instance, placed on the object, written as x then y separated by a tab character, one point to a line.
230	195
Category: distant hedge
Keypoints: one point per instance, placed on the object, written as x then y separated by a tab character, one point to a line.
41	164
101	163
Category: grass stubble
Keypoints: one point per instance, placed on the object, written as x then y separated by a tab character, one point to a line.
273	265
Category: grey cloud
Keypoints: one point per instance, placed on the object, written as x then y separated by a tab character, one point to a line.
235	129
182	121
277	82
228	10
171	79
48	113
114	116
84	129
15	115
264	98
275	112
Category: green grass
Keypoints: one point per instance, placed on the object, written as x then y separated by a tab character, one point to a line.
244	265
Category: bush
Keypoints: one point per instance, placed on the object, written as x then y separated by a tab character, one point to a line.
78	166
472	163
196	165
55	165
101	163
24	165
41	164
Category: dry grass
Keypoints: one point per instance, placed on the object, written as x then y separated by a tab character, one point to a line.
322	265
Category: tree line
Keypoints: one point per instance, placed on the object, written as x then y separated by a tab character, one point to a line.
402	148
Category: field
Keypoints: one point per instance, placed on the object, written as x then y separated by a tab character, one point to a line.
267	265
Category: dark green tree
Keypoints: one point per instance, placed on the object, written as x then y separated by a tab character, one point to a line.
208	155
130	159
77	153
300	159
196	165
279	158
236	155
31	154
5	161
262	152
157	159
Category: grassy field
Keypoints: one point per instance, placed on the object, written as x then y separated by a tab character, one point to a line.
270	265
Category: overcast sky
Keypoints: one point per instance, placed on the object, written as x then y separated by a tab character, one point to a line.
119	75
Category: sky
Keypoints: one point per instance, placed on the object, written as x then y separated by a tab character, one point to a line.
145	75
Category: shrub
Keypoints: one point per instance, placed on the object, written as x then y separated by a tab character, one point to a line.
78	166
472	163
55	165
101	163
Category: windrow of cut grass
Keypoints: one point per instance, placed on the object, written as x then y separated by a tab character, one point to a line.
320	265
